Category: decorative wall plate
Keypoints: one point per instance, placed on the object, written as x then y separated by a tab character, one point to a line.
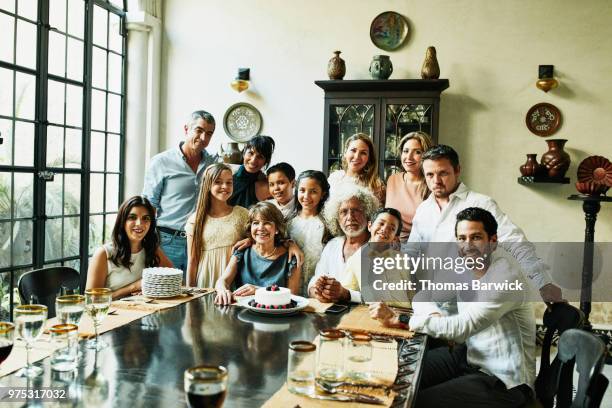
595	169
242	121
389	30
543	119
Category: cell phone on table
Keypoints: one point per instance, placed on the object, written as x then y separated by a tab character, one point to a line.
336	308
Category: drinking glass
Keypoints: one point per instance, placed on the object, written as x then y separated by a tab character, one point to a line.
30	324
206	386
64	338
7	334
301	367
359	355
330	359
97	303
70	308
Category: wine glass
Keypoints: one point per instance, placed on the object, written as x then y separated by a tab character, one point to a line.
7	332
30	324
70	308
97	303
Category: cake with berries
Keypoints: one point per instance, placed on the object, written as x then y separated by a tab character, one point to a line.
272	297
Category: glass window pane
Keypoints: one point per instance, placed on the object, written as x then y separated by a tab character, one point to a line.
5	198
96	193
115	40
25	94
113	157
97	151
24	144
6	149
5	246
71	236
74	105
114	72
55	146
99	26
76	17
55	102
98	109
6	96
8	5
57	53
53	239
112	192
74	70
57	14
53	197
73	148
95	232
27	9
117	3
7	46
22	243
74	264
24	195
109	221
98	68
26	44
114	113
72	194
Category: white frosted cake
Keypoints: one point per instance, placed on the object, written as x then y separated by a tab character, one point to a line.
272	297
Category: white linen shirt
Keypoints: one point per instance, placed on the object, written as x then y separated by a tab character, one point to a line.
333	264
430	224
499	333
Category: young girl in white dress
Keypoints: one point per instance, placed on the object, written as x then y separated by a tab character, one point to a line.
213	228
307	227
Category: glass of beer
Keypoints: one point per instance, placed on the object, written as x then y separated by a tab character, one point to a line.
70	308
7	333
30	324
97	303
206	386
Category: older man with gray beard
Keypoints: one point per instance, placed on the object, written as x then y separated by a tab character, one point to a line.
346	213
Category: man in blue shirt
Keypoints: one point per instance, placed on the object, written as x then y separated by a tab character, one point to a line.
172	184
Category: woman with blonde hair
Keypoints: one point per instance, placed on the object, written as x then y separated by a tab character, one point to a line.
406	190
360	166
213	228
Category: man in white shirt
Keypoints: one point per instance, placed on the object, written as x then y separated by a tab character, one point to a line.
346	214
434	220
495	367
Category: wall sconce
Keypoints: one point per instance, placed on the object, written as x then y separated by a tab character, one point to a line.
547	80
241	83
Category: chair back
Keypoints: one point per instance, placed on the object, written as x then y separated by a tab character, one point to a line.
558	318
43	285
589	353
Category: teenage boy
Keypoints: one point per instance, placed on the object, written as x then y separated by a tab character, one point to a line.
281	182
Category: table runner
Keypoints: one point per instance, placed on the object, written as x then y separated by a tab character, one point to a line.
144	303
359	319
17	359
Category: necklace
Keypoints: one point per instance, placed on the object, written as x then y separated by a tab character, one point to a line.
270	255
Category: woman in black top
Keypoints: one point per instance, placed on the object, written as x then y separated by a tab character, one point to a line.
250	183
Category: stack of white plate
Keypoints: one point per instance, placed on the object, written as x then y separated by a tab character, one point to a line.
161	282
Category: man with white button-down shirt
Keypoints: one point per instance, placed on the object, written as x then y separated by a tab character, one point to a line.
434	220
172	184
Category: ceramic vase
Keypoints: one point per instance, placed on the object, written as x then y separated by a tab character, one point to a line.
231	153
381	67
556	160
531	166
430	69
336	68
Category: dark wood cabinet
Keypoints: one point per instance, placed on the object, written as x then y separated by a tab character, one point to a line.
383	109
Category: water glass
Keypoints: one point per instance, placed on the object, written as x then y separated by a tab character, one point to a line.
206	386
64	338
301	367
359	356
70	308
330	358
97	303
30	323
7	335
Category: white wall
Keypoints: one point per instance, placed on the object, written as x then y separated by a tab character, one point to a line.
489	50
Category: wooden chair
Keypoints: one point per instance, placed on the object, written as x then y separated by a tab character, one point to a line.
42	285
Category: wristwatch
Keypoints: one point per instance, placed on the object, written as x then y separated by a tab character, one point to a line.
404	319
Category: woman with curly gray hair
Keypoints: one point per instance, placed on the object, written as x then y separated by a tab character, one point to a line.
347	212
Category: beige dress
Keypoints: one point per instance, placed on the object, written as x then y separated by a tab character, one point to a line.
119	276
404	198
220	234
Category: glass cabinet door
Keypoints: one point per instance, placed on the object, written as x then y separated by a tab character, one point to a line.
401	119
344	121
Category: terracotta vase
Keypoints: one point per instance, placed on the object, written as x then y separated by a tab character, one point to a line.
231	153
431	69
531	166
556	160
381	67
336	68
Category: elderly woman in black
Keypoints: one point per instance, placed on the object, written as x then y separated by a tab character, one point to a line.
250	183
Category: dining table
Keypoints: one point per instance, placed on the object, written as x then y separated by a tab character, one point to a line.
145	361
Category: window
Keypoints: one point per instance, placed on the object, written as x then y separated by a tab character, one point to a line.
61	123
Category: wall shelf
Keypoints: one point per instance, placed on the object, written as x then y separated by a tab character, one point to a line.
527	180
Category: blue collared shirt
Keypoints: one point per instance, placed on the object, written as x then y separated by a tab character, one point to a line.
172	187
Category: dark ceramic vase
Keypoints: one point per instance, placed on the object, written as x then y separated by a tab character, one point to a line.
231	153
381	67
531	166
556	160
336	68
